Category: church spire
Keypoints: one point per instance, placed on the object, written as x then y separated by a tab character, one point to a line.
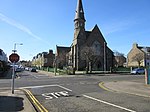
79	11
79	16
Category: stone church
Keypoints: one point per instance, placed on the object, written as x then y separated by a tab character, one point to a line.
88	39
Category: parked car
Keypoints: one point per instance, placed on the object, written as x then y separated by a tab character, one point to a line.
17	68
138	71
27	68
33	70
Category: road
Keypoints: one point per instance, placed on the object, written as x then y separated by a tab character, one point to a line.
78	93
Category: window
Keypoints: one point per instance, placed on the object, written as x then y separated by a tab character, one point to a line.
97	47
45	60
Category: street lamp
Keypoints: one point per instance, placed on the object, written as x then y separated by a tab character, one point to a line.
13	74
15	45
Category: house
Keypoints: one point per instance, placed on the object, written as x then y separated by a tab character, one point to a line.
138	56
119	61
61	56
3	59
43	59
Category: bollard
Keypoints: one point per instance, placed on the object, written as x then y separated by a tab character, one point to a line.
147	76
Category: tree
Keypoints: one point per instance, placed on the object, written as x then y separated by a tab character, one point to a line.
119	59
91	55
61	59
138	58
116	53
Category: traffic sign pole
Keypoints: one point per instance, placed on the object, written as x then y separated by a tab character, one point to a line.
13	58
13	78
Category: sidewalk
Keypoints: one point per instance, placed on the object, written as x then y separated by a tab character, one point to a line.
51	74
17	102
130	87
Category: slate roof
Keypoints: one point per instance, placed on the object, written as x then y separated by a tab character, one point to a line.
62	49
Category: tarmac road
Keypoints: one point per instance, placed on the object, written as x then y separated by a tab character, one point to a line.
83	94
80	93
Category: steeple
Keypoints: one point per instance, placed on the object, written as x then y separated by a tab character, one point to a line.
79	11
79	16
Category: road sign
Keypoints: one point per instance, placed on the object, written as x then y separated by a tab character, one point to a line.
14	57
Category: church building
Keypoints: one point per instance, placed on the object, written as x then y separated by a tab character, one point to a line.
88	46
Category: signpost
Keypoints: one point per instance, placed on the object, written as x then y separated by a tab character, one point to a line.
14	58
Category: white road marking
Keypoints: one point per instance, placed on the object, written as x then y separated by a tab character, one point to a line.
47	86
64	88
111	104
49	96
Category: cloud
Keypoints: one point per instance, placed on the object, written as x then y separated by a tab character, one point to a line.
18	25
117	26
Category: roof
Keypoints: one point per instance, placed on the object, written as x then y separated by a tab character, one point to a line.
88	33
62	49
144	49
94	30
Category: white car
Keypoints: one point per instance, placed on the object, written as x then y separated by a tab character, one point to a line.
138	71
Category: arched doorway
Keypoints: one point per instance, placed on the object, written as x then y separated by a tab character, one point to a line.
97	66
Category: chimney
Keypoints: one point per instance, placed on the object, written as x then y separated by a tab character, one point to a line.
50	51
135	45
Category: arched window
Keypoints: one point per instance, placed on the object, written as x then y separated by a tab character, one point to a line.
97	47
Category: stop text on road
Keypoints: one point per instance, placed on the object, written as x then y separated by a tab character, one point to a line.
49	96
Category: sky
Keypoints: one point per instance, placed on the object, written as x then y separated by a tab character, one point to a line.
42	24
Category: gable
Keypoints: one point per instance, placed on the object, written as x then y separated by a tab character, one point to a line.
61	50
95	35
133	52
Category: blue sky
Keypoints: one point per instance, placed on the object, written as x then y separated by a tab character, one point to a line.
42	24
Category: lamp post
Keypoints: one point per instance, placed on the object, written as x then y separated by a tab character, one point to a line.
15	45
13	74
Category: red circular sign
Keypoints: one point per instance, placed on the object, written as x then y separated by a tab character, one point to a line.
14	57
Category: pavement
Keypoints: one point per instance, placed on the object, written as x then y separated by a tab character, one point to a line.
19	101
138	88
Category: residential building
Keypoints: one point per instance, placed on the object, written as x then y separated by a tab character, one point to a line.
138	56
43	59
119	61
3	59
61	56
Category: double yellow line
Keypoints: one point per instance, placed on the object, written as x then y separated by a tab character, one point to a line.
35	101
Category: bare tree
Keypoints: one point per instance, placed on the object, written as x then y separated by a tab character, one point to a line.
138	58
119	59
61	59
116	53
91	55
